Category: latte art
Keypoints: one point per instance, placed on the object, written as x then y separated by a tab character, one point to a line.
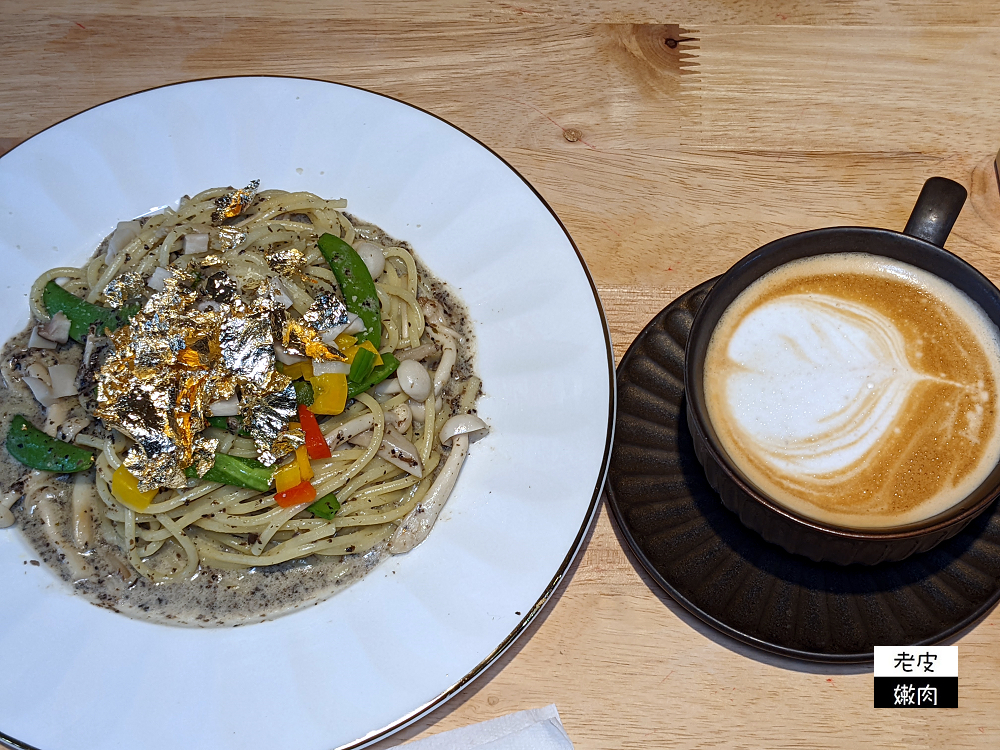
856	390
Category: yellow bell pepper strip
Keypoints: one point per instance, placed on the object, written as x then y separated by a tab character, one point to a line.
326	507
125	488
298	371
345	341
380	373
36	450
352	351
329	393
302	459
356	284
300	494
316	444
287	477
82	315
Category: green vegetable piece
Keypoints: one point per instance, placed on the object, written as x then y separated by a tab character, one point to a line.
220	423
380	373
362	366
326	507
36	450
355	284
303	392
82	315
236	471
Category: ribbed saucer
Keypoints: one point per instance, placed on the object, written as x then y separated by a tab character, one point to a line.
752	590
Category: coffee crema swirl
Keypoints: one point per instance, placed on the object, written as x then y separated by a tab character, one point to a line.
856	390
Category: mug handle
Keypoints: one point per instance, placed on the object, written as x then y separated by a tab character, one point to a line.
936	210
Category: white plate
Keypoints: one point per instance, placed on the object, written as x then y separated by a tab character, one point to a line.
411	634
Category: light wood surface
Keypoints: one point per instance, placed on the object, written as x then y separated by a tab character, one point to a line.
702	130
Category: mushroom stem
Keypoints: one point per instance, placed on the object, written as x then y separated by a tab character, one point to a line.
449	354
417	525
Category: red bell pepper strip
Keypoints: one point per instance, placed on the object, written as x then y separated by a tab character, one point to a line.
316	445
301	493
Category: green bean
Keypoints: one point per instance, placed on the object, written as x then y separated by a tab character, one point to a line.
36	450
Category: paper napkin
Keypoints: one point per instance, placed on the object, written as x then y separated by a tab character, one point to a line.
535	729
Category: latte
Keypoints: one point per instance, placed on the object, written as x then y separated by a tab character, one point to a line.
856	390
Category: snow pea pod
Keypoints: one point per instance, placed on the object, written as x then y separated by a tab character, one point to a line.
237	471
36	450
356	285
376	376
82	315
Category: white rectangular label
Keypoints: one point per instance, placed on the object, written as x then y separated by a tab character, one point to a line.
916	661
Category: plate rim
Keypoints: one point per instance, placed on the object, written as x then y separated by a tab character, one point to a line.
602	477
728	630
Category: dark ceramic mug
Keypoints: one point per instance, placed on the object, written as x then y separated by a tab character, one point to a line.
921	245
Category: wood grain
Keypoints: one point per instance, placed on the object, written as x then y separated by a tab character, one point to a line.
703	128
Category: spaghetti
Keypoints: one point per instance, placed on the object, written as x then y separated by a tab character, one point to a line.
384	447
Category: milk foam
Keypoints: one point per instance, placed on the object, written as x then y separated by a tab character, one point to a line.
840	369
856	389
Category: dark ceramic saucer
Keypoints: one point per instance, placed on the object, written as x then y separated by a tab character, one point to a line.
728	576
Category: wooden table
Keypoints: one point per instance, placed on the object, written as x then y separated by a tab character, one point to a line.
671	138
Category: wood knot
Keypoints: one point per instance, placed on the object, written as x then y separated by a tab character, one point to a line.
572	135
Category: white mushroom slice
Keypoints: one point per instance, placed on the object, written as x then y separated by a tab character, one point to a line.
63	379
37	341
449	355
372	255
323	367
41	392
434	318
57	329
40	371
417	525
159	276
285	358
414	380
228	408
395	449
195	243
124	233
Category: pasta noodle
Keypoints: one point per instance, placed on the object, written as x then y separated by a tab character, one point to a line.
209	525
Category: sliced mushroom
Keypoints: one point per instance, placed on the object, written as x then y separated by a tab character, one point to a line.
57	329
37	341
41	392
63	378
395	449
417	525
